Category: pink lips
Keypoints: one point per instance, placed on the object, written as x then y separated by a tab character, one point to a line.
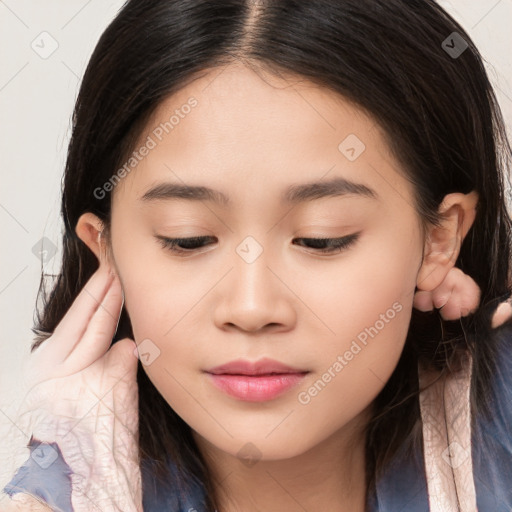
255	382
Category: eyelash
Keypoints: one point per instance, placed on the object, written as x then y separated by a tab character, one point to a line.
333	244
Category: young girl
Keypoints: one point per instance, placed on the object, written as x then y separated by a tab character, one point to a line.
302	208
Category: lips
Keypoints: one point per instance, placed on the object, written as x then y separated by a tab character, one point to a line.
263	366
258	381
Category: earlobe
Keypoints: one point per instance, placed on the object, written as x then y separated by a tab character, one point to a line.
443	242
89	229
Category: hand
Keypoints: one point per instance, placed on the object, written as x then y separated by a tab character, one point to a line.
502	314
457	296
85	397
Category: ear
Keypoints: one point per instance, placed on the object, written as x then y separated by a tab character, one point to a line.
443	243
89	229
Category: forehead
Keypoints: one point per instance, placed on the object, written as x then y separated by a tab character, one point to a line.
247	133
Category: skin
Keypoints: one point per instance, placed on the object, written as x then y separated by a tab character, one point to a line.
81	394
211	307
24	503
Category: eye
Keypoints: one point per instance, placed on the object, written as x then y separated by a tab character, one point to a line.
330	245
322	245
176	244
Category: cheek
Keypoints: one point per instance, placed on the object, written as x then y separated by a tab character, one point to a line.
157	293
368	318
353	374
366	287
365	320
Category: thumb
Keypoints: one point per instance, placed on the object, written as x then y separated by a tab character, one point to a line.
124	354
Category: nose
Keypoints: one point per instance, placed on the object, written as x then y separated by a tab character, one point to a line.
256	294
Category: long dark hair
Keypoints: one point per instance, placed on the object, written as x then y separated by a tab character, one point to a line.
437	110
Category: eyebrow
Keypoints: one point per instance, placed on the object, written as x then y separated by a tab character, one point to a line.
294	194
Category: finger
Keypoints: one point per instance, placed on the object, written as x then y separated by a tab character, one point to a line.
451	310
502	314
49	359
442	295
122	359
441	298
73	325
470	296
101	329
423	301
464	299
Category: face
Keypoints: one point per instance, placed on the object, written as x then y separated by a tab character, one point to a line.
254	285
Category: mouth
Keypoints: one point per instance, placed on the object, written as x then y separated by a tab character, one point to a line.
256	381
256	388
265	366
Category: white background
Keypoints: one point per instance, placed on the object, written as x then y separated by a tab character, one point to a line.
36	101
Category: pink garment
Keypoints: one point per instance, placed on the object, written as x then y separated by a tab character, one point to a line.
446	418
